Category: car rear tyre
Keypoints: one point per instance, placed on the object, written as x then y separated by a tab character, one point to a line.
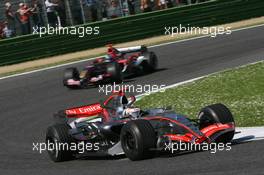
217	113
115	71
137	138
58	135
151	63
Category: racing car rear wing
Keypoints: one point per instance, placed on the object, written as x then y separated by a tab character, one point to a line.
84	111
132	49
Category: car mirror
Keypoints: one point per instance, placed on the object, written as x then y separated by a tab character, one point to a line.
104	106
124	100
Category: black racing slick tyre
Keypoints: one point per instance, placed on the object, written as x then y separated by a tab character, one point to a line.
70	73
217	113
58	136
137	139
115	71
151	62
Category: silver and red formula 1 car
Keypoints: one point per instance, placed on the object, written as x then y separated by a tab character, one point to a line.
115	127
113	67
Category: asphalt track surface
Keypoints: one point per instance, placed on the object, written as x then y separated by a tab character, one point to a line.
27	103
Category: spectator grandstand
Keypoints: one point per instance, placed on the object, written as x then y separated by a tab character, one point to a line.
19	14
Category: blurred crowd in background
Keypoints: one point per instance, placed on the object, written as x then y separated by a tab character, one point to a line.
19	17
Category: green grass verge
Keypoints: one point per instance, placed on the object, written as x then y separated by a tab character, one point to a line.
241	89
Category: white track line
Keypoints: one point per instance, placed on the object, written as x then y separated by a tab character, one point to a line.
158	45
249	134
170	86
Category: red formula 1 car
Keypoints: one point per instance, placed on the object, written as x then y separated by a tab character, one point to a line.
115	127
112	67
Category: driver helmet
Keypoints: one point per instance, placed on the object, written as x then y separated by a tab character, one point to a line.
132	112
108	58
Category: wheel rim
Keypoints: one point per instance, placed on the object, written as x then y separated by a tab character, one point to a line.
129	141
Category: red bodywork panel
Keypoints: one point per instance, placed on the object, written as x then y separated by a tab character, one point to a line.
84	111
212	129
207	131
115	54
122	61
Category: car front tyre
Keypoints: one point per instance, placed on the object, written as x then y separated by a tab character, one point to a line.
137	139
217	113
57	135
